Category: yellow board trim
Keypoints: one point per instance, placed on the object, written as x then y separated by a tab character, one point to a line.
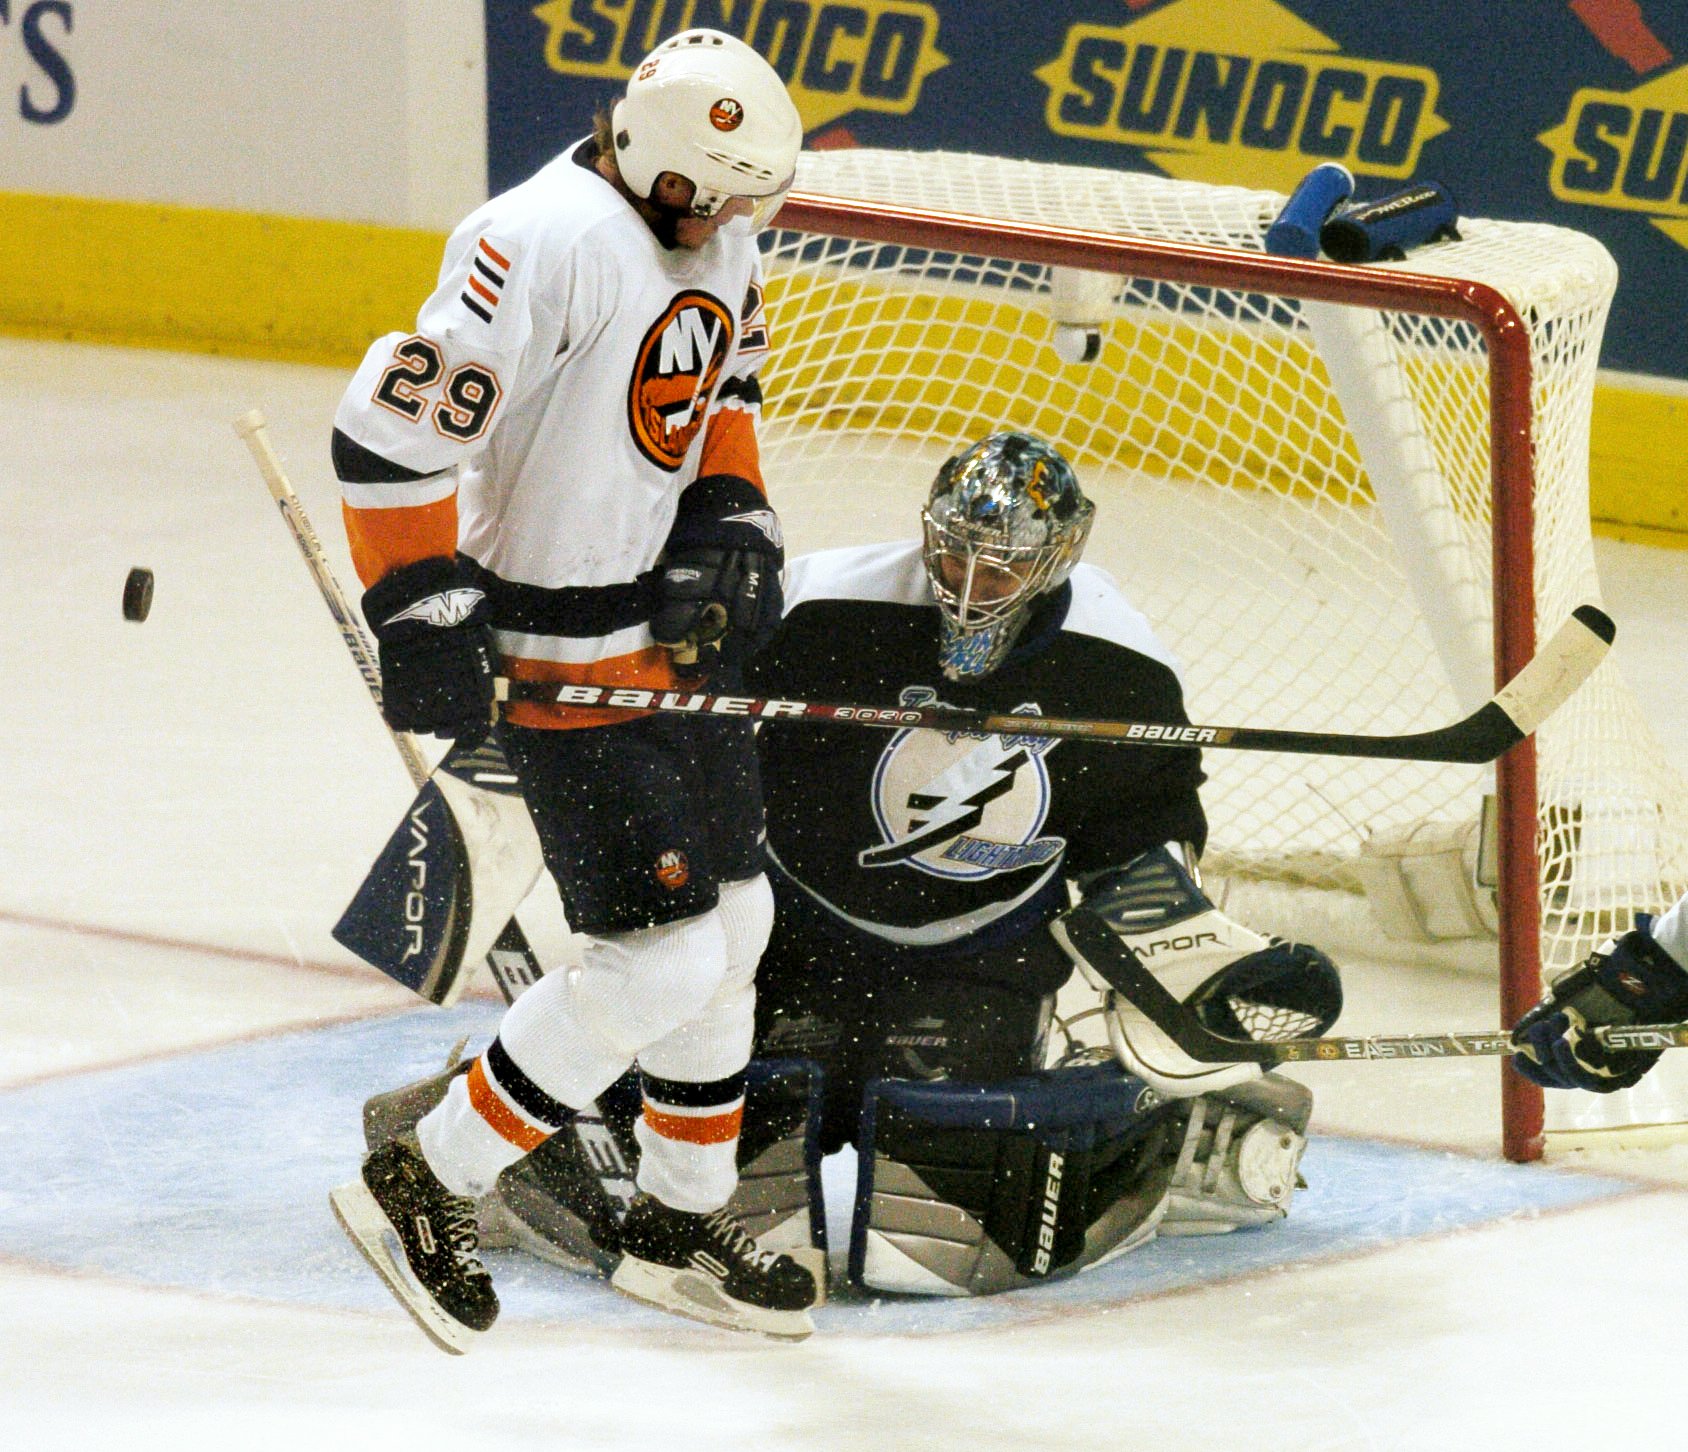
313	291
196	280
1638	465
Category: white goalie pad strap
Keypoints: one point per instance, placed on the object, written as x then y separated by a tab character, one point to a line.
1238	1166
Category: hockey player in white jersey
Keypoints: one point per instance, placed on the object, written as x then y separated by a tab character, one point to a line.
910	979
555	476
1640	977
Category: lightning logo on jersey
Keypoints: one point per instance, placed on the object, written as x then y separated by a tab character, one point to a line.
678	365
961	806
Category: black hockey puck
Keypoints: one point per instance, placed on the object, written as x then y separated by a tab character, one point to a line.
137	594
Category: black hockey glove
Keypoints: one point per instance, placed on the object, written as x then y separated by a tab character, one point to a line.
718	591
1635	981
436	651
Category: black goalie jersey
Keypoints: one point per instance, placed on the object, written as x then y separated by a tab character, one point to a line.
958	842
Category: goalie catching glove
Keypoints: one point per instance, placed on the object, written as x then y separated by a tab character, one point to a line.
1192	960
1632	980
719	597
436	650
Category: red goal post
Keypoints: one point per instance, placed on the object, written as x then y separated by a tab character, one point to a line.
912	234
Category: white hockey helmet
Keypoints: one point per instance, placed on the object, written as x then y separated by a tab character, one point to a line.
1005	523
707	107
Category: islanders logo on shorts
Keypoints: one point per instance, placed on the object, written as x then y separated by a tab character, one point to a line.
672	869
961	806
678	365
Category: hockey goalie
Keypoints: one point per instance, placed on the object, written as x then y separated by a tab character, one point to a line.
905	1004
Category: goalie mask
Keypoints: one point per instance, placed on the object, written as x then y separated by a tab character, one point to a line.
1005	523
707	107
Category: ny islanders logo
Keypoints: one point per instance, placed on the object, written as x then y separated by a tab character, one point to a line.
961	806
678	366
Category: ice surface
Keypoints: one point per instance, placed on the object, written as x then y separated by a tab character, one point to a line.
185	807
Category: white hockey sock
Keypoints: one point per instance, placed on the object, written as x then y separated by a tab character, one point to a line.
693	1077
567	1039
688	1141
461	1146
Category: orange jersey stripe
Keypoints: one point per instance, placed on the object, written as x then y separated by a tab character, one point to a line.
484	290
503	1119
501	261
384	539
650	669
702	1129
729	446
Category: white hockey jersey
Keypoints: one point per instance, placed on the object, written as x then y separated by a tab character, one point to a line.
566	381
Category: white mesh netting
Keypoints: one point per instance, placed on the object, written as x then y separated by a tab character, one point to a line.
1305	578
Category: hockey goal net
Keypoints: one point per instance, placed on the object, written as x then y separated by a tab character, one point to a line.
1345	496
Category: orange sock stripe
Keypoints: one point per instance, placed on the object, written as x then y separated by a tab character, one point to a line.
503	1119
696	1129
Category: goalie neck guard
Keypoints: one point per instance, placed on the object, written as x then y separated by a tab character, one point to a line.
1005	523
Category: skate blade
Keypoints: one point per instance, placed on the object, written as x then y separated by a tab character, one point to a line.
699	1297
373	1234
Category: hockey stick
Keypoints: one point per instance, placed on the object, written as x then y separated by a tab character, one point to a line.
511	958
1516	710
1087	935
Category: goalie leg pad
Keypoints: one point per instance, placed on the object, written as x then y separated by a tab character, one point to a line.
564	1202
965	1190
1238	1157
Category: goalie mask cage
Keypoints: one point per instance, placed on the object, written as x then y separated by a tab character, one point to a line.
1347	497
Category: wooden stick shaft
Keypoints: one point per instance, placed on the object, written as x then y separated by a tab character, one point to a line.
250	426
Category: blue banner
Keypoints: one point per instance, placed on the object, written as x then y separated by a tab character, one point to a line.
1566	111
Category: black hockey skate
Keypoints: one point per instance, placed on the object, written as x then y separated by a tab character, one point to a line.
421	1240
709	1268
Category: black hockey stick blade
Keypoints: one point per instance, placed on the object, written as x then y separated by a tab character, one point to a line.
1528	699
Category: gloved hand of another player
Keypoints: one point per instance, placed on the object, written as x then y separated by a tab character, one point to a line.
717	606
436	651
718	592
1630	981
